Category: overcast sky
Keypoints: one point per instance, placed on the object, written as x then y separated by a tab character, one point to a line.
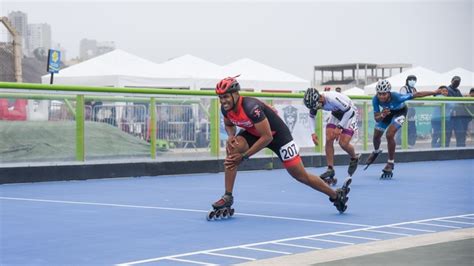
289	35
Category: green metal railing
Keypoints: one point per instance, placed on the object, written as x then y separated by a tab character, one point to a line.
78	93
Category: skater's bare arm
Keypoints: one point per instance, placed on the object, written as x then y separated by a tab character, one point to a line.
263	128
229	127
426	93
231	131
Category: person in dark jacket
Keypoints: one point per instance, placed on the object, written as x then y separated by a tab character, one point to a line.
459	116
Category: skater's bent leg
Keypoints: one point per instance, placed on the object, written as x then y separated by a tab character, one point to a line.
329	147
298	172
377	138
345	143
391	144
230	175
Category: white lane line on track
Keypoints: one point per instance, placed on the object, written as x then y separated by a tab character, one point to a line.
339	233
229	256
413	229
440	225
192	261
358	237
455	222
471	218
179	209
268	250
388	233
330	241
295	245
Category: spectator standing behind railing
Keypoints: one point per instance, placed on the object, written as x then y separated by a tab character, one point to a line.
459	116
470	110
436	120
409	87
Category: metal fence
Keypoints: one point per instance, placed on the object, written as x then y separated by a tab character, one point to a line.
176	124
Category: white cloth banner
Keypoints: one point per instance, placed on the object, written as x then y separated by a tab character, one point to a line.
296	117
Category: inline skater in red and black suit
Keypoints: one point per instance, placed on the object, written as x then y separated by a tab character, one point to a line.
262	128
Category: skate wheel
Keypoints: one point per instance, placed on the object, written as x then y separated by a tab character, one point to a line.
334	181
343	209
210	215
348	182
224	213
218	214
231	212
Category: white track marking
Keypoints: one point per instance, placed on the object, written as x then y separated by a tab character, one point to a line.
330	241
178	209
104	204
192	261
440	225
340	233
268	250
471	218
294	245
389	233
359	237
455	222
229	256
300	219
413	229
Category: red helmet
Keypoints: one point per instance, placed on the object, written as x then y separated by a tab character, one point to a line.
227	85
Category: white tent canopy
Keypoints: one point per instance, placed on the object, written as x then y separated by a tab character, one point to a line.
121	69
204	74
426	80
467	79
354	91
258	76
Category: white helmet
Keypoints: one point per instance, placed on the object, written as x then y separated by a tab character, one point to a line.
383	86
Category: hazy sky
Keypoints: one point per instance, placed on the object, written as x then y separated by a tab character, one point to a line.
289	35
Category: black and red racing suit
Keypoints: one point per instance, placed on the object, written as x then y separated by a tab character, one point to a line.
251	111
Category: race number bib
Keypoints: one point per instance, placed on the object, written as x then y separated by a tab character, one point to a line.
400	120
289	151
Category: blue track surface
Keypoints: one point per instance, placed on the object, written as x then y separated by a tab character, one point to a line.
131	220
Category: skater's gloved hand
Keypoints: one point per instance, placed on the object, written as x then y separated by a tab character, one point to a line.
232	161
315	139
231	144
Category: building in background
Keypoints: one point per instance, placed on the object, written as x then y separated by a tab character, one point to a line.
39	36
19	20
91	48
353	75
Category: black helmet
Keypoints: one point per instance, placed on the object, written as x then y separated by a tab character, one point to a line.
311	98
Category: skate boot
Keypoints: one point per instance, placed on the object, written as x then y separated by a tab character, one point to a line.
222	208
387	172
353	165
341	201
372	157
328	177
